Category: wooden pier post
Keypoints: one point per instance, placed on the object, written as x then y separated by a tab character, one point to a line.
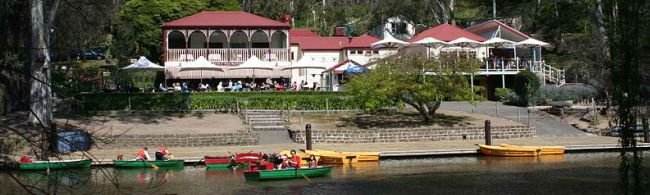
488	132
308	137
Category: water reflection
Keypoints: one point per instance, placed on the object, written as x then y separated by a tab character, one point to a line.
56	178
488	160
591	173
146	176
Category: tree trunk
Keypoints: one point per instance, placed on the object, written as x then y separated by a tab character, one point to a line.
536	16
40	99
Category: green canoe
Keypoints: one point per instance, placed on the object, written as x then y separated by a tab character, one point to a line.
287	173
224	166
147	164
58	164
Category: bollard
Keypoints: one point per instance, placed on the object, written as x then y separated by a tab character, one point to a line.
308	136
528	116
496	106
518	115
488	132
646	130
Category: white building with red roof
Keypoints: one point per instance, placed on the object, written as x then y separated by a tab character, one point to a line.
228	38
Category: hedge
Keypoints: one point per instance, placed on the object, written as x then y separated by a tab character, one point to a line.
218	101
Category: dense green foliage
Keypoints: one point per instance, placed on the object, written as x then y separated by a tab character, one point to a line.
502	93
218	101
141	20
415	80
526	85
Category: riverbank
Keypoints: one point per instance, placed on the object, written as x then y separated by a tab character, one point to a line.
395	150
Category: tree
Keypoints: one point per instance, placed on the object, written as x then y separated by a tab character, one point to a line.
140	31
526	86
403	79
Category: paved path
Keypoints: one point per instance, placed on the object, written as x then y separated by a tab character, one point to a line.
545	124
198	152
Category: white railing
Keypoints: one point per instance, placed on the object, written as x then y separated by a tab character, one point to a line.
185	55
549	73
234	55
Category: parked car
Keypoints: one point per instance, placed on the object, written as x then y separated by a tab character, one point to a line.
88	55
638	131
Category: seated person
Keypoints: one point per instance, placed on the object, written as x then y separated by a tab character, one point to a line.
202	87
295	160
142	154
313	163
162	153
162	88
177	87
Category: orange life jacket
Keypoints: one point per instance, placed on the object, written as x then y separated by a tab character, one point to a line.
141	154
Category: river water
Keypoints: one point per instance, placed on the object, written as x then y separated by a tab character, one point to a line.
581	173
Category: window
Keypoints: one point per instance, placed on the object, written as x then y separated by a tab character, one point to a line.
293	55
376	52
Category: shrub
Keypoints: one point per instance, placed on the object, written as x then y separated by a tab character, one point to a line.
526	85
219	101
566	93
502	94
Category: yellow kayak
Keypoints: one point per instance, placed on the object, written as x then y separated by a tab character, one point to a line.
546	150
508	151
335	157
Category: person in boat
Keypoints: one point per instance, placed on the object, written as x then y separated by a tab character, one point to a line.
233	161
313	163
265	164
143	154
162	154
284	162
294	161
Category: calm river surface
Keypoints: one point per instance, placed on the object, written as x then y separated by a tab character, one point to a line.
583	173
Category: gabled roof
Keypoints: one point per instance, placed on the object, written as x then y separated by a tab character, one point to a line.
225	19
320	43
302	33
362	41
488	28
446	32
333	68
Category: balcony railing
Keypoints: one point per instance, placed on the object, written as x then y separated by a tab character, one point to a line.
227	56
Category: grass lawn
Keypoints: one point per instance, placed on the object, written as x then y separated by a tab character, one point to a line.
402	119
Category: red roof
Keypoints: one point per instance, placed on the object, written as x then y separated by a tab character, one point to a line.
225	19
320	43
302	33
446	32
489	24
362	41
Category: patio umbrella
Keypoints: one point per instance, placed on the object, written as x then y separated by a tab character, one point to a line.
200	64
353	69
464	42
388	42
497	42
143	64
254	63
532	43
430	42
306	63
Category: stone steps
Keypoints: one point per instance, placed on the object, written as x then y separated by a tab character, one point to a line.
269	128
267	123
265	119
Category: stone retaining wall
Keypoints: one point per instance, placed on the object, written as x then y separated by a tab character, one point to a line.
411	135
181	140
